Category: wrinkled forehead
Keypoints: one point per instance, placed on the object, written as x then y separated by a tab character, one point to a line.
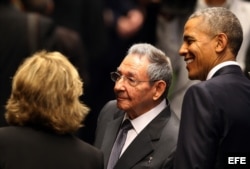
134	64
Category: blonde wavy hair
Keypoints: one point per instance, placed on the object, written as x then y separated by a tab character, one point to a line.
45	94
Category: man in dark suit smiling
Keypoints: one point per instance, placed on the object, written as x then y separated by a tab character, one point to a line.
216	112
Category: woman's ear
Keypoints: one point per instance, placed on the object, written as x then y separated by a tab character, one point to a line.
160	87
222	42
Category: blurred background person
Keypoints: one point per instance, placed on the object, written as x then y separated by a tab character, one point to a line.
44	7
64	39
24	31
86	18
44	110
170	22
16	43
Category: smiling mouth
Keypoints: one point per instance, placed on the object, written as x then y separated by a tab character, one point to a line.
189	61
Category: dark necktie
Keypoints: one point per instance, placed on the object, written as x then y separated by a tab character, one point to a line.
119	142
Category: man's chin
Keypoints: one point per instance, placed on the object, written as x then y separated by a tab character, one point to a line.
121	104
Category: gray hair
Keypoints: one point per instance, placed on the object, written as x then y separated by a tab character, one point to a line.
160	67
222	20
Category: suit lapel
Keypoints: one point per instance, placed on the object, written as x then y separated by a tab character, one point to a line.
143	144
109	138
137	150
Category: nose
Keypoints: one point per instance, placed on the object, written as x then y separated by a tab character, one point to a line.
183	50
119	84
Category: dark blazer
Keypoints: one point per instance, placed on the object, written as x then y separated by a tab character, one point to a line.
153	148
15	46
215	121
22	34
28	148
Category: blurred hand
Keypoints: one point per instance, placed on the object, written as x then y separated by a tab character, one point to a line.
128	25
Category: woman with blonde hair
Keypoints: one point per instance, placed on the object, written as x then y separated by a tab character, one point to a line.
44	111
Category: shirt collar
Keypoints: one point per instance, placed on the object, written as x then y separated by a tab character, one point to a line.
143	120
219	66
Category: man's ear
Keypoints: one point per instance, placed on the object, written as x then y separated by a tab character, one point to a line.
160	87
222	42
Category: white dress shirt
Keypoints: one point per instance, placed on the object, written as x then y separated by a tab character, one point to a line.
219	66
141	122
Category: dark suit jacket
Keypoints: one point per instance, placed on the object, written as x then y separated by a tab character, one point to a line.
15	46
153	148
27	148
21	36
215	121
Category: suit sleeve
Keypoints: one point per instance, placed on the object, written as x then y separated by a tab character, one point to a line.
199	134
